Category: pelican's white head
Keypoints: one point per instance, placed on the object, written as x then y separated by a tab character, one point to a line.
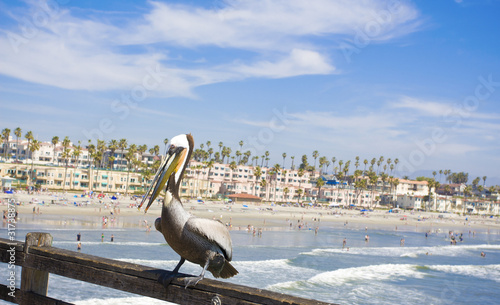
175	162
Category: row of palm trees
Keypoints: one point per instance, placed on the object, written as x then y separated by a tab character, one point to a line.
372	171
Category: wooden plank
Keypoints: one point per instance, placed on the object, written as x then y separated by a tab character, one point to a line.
28	297
6	246
143	280
35	280
145	285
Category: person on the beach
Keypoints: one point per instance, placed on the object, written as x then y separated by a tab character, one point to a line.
78	236
344	242
402	242
79	246
112	237
367	238
483	254
102	237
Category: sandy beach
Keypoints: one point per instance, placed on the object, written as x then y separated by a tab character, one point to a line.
64	207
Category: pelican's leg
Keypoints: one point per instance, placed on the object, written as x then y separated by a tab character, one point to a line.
194	280
166	278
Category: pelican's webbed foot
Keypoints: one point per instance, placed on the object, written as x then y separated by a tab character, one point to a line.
192	281
166	278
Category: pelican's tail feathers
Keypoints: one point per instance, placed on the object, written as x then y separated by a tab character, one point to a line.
228	271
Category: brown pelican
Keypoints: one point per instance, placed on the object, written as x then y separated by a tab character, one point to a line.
201	241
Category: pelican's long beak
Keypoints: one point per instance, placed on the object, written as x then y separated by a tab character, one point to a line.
169	166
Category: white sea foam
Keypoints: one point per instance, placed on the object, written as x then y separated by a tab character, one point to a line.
391	272
448	250
488	272
361	285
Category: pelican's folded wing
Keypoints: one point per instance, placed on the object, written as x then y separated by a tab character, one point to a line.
214	231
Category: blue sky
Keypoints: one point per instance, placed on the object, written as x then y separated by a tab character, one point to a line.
413	80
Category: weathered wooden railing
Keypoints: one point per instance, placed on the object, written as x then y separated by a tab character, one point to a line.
38	258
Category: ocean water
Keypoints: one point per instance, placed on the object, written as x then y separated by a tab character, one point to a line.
299	262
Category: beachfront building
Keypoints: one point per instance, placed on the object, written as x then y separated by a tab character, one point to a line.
47	153
74	179
453	189
285	186
410	202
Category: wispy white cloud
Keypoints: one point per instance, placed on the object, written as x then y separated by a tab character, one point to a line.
431	108
38	109
265	25
92	53
299	62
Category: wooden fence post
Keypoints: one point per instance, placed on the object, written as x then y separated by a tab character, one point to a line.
34	280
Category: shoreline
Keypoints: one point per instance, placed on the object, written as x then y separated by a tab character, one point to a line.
123	213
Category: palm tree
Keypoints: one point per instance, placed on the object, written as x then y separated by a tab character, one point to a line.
275	170
238	156
29	136
299	192
380	160
373	181
65	155
395	183
220	147
300	173
241	144
54	141
247	155
267	158
284	156
258	174
319	183
293	159
5	137
91	149
18	134
209	165
233	167
113	146
77	151
484	180
210	152
263	184
35	145
286	191
322	162
315	155
101	148
130	157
